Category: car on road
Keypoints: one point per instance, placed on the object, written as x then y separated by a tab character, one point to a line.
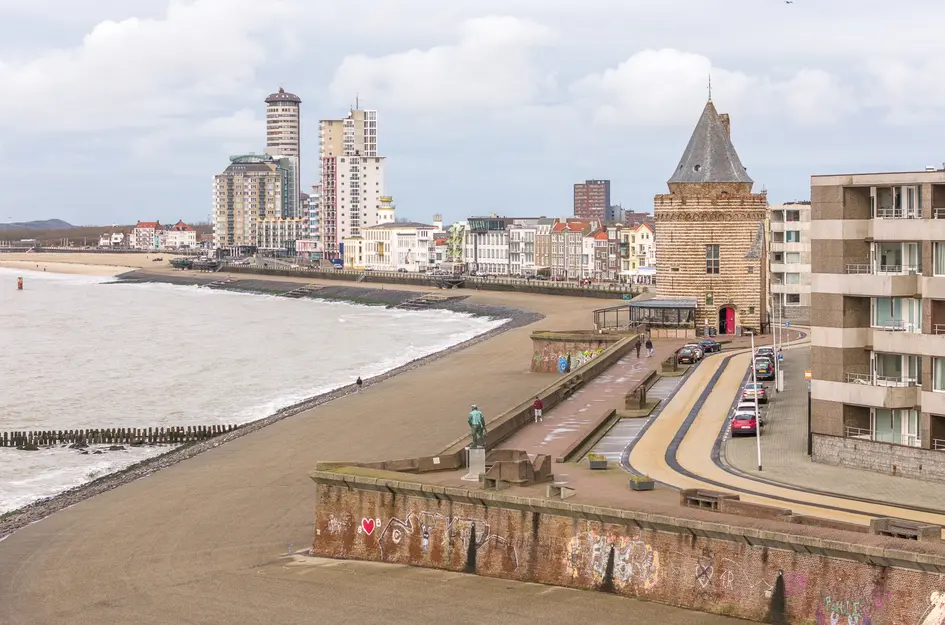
744	423
686	356
700	353
754	388
749	406
710	346
765	351
764	368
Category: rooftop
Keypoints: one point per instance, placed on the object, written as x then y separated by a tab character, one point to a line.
659	302
406	225
710	155
283	96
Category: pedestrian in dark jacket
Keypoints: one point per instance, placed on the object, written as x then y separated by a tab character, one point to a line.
649	348
638	346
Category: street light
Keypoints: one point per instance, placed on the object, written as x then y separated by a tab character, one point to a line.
754	379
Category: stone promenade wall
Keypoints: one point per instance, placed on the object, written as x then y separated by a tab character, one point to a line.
761	570
553	351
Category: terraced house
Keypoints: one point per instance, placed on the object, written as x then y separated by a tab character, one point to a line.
878	321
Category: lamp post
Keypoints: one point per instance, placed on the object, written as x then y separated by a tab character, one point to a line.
754	380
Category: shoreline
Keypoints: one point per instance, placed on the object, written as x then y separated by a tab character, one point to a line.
72	269
38	510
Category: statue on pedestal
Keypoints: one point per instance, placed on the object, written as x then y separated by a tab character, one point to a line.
477	425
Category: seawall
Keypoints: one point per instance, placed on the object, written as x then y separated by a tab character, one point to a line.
756	569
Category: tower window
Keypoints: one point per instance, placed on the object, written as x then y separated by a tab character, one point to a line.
712	259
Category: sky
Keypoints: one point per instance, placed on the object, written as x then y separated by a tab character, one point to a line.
119	110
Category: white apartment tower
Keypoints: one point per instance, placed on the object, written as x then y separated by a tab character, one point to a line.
352	178
283	124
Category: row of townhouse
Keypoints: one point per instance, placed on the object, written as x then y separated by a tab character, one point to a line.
151	235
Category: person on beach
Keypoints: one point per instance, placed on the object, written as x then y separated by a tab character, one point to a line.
638	346
359	383
538	406
649	348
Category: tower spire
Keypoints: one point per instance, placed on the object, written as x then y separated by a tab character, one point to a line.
710	86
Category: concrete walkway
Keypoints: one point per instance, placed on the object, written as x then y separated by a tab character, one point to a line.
692	465
578	415
785	459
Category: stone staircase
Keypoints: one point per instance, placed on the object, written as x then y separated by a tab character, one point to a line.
302	291
424	302
361	277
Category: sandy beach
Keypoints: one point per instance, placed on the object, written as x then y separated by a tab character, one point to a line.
83	263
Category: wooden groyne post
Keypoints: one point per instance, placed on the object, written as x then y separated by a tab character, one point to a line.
115	436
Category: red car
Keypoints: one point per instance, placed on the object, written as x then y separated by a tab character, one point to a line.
744	423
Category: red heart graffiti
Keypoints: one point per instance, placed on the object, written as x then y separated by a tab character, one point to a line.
368	526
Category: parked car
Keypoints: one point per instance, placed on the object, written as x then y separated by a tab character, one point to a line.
765	351
744	423
751	389
749	406
764	368
700	353
686	356
710	346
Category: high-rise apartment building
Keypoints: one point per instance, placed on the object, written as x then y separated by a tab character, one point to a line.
283	124
248	190
789	260
352	178
878	322
592	200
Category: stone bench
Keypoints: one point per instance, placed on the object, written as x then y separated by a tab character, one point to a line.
557	490
703	499
909	530
492	483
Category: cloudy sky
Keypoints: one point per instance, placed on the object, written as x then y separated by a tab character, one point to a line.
117	110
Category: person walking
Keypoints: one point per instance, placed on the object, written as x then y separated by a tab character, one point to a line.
538	406
359	383
649	348
477	426
638	346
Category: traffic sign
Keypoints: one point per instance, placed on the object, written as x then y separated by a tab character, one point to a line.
807	375
787	324
780	356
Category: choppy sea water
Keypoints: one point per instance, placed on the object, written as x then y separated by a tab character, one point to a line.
78	353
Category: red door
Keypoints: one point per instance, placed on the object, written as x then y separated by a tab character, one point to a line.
730	320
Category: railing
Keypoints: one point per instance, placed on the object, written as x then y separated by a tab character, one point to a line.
938	213
938	444
895	438
870	268
897	213
898	325
879	380
938	328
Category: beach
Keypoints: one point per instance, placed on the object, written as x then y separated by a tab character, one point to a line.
87	264
244	501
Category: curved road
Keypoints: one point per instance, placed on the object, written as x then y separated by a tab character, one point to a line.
201	541
677	449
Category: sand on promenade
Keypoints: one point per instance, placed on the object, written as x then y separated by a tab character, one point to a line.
82	263
199	530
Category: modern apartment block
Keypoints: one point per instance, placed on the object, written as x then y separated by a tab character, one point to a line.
352	178
283	122
878	322
249	189
592	200
789	261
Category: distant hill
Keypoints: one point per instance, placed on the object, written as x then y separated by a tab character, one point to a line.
44	224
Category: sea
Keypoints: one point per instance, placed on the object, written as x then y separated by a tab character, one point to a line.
82	352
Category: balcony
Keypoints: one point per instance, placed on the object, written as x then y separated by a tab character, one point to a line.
893	438
909	228
876	391
868	280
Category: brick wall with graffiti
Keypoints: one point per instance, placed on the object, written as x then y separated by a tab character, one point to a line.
565	352
713	575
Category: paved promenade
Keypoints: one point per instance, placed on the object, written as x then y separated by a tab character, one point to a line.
200	542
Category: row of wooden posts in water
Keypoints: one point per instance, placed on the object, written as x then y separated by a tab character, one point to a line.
115	436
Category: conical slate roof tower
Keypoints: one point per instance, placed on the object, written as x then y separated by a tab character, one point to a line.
710	155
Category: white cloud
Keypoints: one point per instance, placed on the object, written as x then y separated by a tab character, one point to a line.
135	72
662	87
239	133
492	66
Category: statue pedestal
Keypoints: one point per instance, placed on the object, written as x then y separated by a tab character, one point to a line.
476	462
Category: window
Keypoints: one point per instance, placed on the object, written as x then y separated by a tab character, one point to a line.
792	236
792	299
712	261
792	278
792	258
938	267
778	257
751	269
938	374
751	310
792	215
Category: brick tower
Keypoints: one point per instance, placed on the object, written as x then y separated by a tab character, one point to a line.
711	232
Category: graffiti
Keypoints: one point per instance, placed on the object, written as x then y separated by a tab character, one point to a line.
368	525
633	559
424	524
704	572
849	606
335	526
795	584
935	613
